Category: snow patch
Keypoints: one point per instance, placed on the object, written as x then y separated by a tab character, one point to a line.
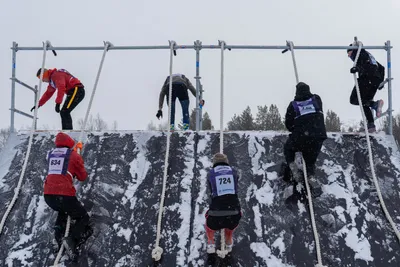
359	245
263	251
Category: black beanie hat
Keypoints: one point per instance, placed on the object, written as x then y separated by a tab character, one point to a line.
302	89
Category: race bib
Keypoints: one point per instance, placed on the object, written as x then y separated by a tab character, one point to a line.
56	165
306	109
58	160
225	184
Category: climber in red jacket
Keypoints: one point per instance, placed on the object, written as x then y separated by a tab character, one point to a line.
64	164
64	83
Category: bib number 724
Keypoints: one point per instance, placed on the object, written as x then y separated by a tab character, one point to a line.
224	180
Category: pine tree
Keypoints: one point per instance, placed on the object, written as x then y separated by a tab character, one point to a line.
261	118
207	123
247	120
274	121
234	123
332	122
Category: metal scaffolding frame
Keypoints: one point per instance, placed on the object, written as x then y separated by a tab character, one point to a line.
197	47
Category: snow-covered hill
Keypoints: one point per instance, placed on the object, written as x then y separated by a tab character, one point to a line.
124	186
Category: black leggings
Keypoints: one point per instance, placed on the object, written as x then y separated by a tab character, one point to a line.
368	90
74	97
220	222
68	206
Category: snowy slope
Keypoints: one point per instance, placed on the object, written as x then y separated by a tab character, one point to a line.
125	182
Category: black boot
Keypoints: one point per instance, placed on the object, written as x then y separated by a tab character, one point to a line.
84	236
70	246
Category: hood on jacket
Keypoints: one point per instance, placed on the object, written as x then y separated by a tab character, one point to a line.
64	140
302	92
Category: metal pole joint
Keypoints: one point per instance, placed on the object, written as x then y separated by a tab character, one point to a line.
15	46
108	45
198	45
50	47
172	44
221	42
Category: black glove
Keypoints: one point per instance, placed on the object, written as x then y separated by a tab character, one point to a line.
159	114
354	70
58	108
33	108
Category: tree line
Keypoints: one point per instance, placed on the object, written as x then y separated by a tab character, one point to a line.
267	118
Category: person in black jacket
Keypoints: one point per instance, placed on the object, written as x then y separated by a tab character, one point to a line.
370	76
305	120
224	211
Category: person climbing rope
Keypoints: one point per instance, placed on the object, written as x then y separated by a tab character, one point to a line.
224	210
63	82
370	76
180	86
305	121
64	163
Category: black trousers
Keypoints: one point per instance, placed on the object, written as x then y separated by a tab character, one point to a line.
74	97
68	206
308	146
368	90
220	222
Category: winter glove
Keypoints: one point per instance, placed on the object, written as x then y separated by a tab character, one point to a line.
79	146
354	70
58	108
159	114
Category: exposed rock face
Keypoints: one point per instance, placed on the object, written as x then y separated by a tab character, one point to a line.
124	186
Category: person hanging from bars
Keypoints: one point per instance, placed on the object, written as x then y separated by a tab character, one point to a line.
224	211
180	86
371	75
63	82
65	164
304	120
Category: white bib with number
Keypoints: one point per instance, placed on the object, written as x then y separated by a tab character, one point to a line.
224	180
56	160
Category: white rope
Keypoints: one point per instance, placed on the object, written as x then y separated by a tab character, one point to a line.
18	188
222	252
310	203
371	161
157	251
221	124
290	44
107	45
314	226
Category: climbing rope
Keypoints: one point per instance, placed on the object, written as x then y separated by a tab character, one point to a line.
310	203
157	251
107	46
222	252
371	161
46	45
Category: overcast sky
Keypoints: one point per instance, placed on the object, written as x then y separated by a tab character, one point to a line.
130	83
